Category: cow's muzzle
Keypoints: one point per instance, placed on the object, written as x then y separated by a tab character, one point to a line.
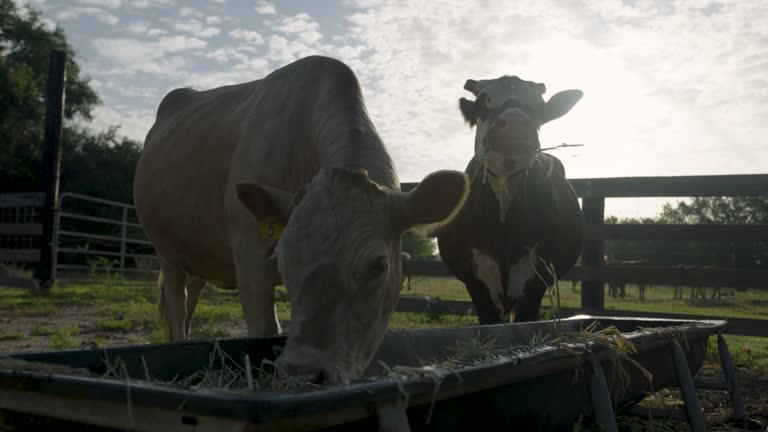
306	367
512	134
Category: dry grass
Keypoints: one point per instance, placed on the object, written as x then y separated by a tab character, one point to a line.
223	373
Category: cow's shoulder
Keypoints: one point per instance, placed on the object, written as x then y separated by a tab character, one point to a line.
323	64
175	101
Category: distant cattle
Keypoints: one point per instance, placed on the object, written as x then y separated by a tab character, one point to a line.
619	289
521	226
285	180
698	291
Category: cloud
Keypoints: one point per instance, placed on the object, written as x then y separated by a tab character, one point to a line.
156	32
265	8
662	80
77	12
190	12
145	4
209	32
134	123
191	26
138	27
227	55
249	36
111	4
156	57
281	50
301	27
23	5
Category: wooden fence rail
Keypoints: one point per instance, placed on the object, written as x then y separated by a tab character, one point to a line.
736	326
19	221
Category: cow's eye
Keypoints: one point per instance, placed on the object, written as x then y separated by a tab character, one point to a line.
377	267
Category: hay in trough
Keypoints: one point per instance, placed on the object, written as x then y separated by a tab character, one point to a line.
223	373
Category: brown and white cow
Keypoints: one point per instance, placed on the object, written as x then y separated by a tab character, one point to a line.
521	225
285	179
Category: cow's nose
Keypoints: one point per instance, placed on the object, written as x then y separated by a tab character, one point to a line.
514	121
305	370
302	373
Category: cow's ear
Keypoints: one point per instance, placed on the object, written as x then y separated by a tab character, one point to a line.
467	108
271	206
559	105
433	203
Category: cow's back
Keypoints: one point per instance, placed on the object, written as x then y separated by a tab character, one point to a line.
270	131
183	169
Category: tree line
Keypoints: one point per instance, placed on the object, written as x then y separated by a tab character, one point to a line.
99	163
698	210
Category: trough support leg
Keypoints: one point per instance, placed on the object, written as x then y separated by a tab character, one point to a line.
602	406
730	378
685	381
392	416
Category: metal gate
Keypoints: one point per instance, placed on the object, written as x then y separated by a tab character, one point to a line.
98	236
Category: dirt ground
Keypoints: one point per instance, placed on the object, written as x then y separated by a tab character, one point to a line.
84	327
716	405
101	323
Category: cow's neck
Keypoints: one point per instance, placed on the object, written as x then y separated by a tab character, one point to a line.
356	148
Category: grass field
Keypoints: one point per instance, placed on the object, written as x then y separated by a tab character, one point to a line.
99	314
743	304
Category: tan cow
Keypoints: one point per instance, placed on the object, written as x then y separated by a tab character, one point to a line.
285	179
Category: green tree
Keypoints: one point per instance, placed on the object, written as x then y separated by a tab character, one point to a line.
723	210
100	165
418	246
25	45
717	210
699	210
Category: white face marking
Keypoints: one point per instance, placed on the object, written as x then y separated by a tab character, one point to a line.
512	151
520	273
487	270
497	93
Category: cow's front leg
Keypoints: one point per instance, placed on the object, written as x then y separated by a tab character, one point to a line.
256	288
173	297
527	308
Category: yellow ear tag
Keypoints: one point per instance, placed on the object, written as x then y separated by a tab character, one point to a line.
271	228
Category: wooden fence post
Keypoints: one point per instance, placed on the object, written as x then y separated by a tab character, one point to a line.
49	174
592	293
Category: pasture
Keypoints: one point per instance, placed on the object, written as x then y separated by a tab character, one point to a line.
746	303
104	314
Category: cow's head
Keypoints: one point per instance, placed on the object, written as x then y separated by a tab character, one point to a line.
508	113
339	257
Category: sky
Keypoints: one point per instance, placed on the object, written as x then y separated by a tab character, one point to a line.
671	87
